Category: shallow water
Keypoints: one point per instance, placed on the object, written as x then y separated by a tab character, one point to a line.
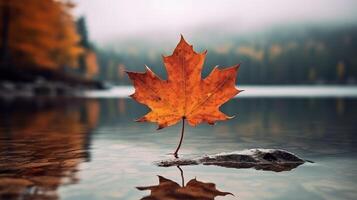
92	149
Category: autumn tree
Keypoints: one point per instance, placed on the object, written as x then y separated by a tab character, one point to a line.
88	64
91	64
38	34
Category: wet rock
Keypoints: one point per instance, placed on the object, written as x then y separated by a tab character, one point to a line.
177	162
261	159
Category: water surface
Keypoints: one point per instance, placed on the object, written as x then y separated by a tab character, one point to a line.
79	148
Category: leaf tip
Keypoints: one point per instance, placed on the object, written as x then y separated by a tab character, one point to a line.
147	68
211	123
131	74
231	117
142	119
161	126
181	37
182	41
128	72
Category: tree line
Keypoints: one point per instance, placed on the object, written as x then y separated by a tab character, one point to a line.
309	55
41	38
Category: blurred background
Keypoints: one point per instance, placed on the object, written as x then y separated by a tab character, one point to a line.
67	127
84	42
280	42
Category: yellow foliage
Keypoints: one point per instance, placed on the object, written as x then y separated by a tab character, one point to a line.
340	70
42	33
223	49
257	54
91	64
275	50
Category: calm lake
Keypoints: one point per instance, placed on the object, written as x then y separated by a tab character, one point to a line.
91	148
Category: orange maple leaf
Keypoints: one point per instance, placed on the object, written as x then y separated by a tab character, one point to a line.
184	95
194	190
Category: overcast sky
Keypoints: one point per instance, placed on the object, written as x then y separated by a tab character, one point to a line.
109	19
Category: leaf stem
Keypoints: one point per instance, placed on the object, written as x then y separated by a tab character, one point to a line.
181	138
182	177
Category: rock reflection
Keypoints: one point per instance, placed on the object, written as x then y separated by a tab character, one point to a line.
43	149
194	189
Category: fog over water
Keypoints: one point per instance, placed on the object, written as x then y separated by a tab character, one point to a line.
157	19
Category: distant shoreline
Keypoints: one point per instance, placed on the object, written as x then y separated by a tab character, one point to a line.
45	88
252	91
56	89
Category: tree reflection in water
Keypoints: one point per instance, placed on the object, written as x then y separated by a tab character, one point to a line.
43	150
194	189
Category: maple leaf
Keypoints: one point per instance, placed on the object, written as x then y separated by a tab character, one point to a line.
194	189
184	95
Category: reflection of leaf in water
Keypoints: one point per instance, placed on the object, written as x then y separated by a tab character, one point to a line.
194	189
